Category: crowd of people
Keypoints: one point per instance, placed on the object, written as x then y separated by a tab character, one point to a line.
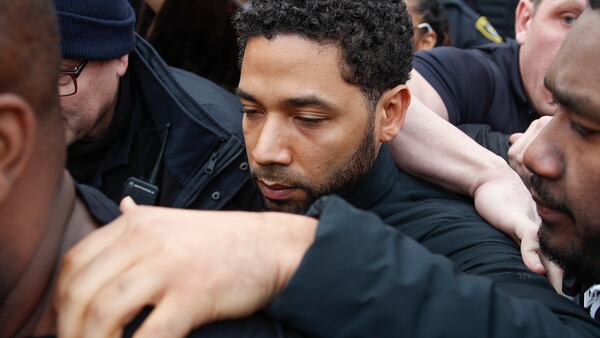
298	168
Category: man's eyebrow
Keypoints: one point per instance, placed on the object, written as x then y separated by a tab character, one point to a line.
565	99
242	94
296	102
310	100
68	65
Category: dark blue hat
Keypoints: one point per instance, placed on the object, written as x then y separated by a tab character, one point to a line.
96	29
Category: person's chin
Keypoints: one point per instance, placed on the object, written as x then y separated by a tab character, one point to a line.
287	206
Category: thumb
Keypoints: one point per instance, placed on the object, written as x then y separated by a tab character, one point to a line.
127	204
514	137
532	260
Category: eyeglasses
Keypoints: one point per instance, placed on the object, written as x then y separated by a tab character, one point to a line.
425	26
67	79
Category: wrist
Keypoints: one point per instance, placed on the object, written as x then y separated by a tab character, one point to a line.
294	236
493	170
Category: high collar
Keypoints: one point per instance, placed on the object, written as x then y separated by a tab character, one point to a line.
376	184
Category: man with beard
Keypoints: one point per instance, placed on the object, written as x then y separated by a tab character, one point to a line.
165	137
323	90
565	163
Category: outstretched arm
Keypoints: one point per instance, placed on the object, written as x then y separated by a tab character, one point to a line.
370	280
433	149
194	267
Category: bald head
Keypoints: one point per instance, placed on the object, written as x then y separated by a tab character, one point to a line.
32	147
29	53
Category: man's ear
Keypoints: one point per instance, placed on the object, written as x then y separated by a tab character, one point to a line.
523	16
394	103
17	137
122	65
427	41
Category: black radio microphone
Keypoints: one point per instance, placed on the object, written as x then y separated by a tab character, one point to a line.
146	192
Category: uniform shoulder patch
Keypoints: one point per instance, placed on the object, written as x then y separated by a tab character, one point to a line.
484	26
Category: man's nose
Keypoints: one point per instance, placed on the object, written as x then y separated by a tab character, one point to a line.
273	144
544	156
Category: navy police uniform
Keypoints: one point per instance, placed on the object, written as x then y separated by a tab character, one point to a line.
467	28
479	86
500	12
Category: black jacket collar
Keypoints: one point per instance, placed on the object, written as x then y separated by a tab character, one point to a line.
376	185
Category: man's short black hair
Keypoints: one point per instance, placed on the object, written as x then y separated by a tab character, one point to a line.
595	4
375	36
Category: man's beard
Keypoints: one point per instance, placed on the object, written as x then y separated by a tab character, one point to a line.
580	258
581	261
350	173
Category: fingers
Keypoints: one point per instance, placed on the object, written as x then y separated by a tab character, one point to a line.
532	260
88	248
526	232
77	258
512	139
121	300
530	249
75	293
553	273
127	204
172	318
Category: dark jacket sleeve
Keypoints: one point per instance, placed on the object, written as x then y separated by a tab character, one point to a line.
362	278
493	141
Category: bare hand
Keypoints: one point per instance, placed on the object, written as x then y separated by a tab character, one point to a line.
507	204
194	267
554	274
519	144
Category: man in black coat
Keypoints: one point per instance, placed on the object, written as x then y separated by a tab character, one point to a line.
320	130
136	127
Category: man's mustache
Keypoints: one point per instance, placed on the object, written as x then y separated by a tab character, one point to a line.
543	192
280	175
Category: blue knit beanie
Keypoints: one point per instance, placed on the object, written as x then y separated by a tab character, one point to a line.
96	29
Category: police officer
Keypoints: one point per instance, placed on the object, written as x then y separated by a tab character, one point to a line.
499	12
500	85
468	28
137	127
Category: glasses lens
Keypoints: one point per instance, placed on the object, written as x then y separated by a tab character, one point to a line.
66	85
